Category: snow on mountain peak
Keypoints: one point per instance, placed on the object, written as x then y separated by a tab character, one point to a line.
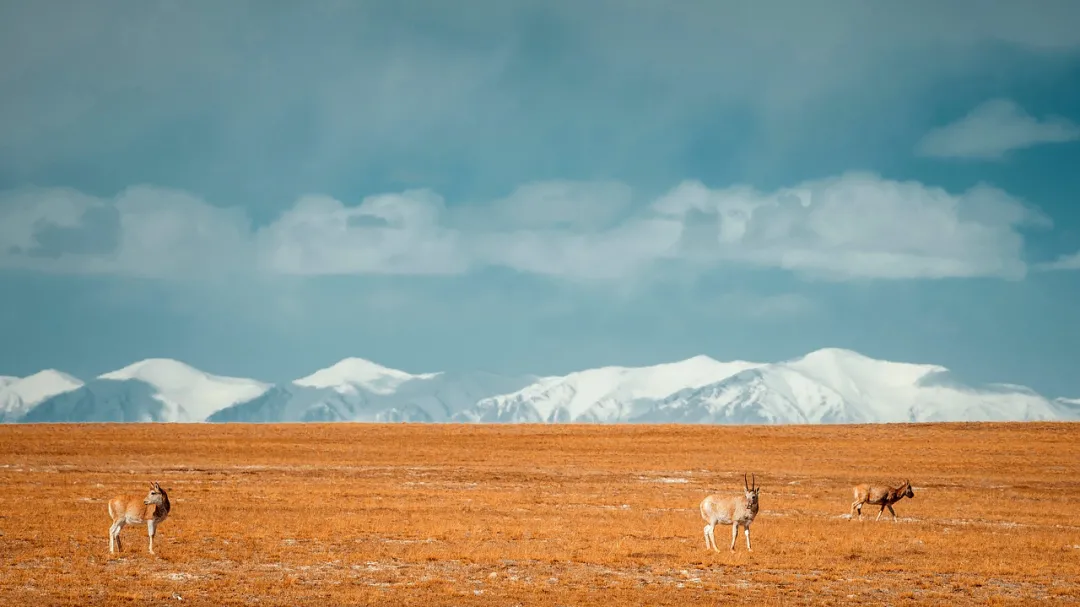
43	384
348	374
704	363
19	395
830	385
1068	407
834	354
833	385
608	393
191	394
877	389
160	372
837	366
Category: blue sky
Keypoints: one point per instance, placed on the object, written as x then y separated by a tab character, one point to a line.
261	189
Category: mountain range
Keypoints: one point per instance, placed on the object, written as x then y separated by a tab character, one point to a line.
826	386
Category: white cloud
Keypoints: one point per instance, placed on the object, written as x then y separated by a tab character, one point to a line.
385	234
602	255
148	231
571	229
1065	262
24	210
853	226
166	232
859	225
994	128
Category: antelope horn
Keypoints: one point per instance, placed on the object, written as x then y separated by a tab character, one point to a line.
753	481
744	481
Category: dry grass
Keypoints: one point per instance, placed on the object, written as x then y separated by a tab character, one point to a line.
538	515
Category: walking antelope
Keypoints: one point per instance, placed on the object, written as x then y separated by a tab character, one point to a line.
133	510
879	495
734	511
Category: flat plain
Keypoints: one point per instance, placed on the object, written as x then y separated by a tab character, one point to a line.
414	514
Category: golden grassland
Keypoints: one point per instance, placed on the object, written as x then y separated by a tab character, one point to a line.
413	514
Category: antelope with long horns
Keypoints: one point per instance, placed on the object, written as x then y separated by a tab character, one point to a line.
134	510
734	510
879	495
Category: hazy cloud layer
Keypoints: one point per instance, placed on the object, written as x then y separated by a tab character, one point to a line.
856	225
993	129
250	91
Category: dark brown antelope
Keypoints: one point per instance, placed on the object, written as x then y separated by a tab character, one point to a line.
879	495
734	510
133	510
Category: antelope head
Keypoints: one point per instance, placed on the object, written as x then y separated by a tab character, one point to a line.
907	489
752	491
156	495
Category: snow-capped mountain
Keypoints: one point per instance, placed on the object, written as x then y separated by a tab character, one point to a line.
351	375
1068	407
355	389
826	386
608	394
157	389
841	386
19	395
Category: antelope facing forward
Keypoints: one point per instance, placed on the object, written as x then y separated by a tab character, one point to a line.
133	510
879	495
734	511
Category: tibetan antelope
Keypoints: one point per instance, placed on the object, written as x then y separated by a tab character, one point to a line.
879	495
734	511
133	510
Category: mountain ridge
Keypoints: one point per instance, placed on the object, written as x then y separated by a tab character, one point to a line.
828	385
150	390
19	395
